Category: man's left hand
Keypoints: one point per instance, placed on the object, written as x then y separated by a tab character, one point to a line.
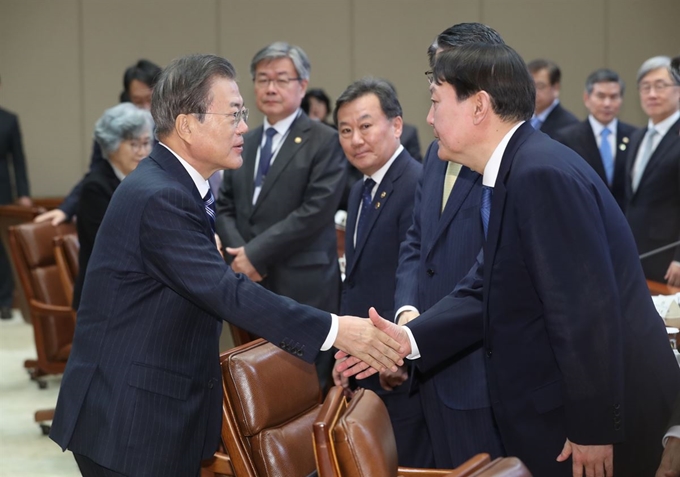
589	461
241	264
670	460
672	276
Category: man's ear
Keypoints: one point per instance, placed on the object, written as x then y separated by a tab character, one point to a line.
482	107
184	126
398	124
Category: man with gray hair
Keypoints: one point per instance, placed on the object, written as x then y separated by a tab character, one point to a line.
602	140
275	215
140	395
653	173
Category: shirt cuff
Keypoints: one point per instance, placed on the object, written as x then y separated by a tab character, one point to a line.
415	352
674	431
404	308
332	334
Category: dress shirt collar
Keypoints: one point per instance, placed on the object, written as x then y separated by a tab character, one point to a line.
379	175
598	127
282	126
119	174
544	115
201	184
493	166
663	126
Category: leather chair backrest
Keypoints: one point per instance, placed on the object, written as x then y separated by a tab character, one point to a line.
504	467
71	247
33	254
271	401
66	248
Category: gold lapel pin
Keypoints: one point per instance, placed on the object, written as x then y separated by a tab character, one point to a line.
622	147
382	196
377	205
625	139
298	140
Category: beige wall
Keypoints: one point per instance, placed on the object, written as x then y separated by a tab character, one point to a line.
61	61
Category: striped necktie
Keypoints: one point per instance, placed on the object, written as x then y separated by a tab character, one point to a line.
366	201
485	210
209	204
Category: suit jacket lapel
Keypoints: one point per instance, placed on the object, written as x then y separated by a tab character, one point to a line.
382	195
590	144
248	169
350	225
660	152
498	205
432	197
635	141
298	135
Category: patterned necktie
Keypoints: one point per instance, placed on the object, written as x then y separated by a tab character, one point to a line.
365	206
265	158
606	154
209	204
641	164
485	210
536	123
452	171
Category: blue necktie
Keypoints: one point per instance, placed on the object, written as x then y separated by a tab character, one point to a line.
606	154
365	205
536	123
485	210
209	204
265	158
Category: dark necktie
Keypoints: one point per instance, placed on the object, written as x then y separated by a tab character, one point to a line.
209	204
485	210
606	154
265	157
365	206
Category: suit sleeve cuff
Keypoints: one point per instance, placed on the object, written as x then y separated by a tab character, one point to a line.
403	309
415	352
332	334
674	431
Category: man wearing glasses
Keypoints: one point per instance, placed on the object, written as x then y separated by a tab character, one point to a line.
275	215
653	172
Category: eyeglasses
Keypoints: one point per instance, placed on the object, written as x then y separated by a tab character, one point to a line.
280	82
659	87
138	145
430	76
242	114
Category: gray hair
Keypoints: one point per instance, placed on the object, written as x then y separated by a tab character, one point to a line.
603	75
281	49
652	64
184	88
122	122
384	91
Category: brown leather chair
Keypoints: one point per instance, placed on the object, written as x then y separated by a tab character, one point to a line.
271	400
15	215
504	467
53	320
355	438
66	248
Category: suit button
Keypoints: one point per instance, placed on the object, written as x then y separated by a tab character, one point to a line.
430	272
349	284
489	352
617	406
617	427
298	352
282	345
211	384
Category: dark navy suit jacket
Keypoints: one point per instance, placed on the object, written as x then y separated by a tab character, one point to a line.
439	250
573	344
580	138
141	392
653	210
558	118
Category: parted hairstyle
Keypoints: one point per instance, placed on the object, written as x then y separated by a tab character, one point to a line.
381	88
496	69
463	34
184	88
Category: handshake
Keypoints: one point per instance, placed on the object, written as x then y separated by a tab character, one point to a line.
370	346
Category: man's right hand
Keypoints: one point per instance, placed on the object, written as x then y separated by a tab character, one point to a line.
359	338
55	216
670	460
357	365
342	381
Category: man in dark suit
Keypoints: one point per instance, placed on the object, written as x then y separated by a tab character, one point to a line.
138	82
653	172
369	120
549	115
602	140
13	188
275	215
439	249
580	372
141	395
